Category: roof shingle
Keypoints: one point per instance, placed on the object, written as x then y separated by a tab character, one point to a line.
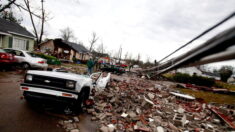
77	47
11	27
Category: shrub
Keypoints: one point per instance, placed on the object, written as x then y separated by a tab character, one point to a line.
202	81
50	59
182	78
197	80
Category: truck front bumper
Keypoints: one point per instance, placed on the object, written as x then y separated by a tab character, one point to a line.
46	93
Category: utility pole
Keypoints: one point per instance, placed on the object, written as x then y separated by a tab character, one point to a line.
120	54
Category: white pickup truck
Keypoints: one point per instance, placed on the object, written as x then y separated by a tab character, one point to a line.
61	87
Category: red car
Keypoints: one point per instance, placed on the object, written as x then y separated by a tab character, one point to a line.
6	58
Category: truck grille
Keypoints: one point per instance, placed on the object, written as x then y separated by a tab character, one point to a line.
48	81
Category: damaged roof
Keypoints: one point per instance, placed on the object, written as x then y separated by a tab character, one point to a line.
7	27
78	47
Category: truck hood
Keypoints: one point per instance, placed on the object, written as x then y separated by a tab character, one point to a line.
67	76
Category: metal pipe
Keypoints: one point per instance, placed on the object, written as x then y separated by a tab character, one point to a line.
217	44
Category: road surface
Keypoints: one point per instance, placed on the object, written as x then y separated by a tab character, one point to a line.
16	115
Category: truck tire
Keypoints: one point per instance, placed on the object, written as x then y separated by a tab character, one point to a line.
26	97
84	95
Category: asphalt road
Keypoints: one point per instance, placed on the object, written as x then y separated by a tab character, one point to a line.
17	115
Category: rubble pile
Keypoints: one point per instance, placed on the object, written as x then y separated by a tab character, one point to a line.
70	125
142	105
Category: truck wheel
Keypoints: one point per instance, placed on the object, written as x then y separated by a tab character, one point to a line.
84	95
26	97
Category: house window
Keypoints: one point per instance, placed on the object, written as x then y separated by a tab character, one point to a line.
19	44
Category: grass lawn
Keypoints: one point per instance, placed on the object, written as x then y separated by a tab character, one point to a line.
210	97
73	65
217	84
221	84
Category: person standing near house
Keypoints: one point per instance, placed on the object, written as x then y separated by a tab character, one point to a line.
96	65
90	65
130	67
74	59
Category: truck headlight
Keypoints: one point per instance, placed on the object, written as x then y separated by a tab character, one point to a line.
70	84
29	77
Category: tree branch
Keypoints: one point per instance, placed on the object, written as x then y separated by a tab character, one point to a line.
20	6
42	24
93	40
31	18
7	5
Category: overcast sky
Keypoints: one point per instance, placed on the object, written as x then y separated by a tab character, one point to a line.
153	28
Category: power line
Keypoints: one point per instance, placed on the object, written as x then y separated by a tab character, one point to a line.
200	35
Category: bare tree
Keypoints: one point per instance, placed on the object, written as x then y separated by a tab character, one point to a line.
42	22
37	32
138	57
93	40
120	53
148	59
116	54
10	16
126	55
7	5
27	6
130	57
111	53
100	49
67	34
25	9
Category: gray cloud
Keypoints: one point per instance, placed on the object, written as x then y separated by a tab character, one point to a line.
151	27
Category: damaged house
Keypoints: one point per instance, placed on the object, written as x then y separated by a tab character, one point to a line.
65	50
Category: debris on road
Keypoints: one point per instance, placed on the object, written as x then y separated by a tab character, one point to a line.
76	119
70	125
138	104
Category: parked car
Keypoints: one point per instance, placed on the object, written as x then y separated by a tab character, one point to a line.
6	59
28	59
112	68
59	86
